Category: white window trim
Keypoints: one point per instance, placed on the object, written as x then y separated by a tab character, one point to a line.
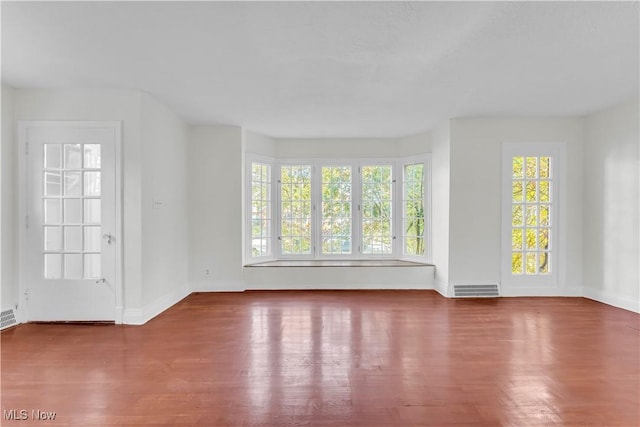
277	209
317	200
394	208
356	164
523	283
428	244
248	237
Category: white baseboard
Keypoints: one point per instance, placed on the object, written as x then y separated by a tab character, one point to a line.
140	316
441	287
217	286
614	300
334	286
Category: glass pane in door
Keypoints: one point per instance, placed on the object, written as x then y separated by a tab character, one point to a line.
71	211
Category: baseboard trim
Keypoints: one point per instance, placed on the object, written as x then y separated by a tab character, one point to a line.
217	286
441	287
613	300
140	316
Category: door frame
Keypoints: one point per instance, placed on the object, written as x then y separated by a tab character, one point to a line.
554	284
23	198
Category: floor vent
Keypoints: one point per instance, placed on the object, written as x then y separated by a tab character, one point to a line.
7	319
475	291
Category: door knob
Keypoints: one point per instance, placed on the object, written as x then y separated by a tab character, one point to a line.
108	237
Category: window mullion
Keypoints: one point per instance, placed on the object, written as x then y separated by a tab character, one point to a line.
356	211
316	206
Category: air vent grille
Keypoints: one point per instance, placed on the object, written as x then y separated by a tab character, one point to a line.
476	291
7	319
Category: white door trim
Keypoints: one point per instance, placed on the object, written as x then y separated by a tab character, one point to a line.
535	285
23	174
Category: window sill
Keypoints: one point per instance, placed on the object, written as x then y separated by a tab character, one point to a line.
341	263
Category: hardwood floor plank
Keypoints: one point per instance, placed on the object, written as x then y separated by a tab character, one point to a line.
334	358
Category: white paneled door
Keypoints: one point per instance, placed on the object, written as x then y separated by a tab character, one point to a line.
70	238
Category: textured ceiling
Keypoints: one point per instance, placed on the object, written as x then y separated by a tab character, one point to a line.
326	69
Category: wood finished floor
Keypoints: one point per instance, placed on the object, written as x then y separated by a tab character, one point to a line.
334	358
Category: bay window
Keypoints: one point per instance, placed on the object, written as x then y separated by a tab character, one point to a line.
338	209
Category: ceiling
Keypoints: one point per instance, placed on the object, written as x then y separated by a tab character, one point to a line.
333	69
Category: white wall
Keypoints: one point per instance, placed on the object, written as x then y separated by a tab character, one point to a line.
9	288
165	257
256	143
215	205
102	104
411	145
440	168
215	157
475	195
155	144
611	206
335	148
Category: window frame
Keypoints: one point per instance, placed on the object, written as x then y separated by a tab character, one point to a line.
396	163
394	207
425	159
317	203
250	159
277	208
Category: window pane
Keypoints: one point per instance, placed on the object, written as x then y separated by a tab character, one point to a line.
52	183
517	239
518	167
544	215
92	157
336	210
530	266
516	263
517	216
92	242
295	205
531	238
92	184
532	215
72	211
92	211
72	157
52	156
545	263
260	209
52	209
73	239
413	209
532	167
545	189
52	238
545	167
532	195
517	191
72	184
544	235
377	198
